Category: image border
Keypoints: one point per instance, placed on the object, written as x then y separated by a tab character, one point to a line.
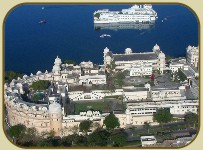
103	2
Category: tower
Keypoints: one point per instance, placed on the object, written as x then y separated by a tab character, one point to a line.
107	57
156	48
57	69
161	63
106	50
55	114
128	116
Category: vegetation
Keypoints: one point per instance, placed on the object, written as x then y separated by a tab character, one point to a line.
178	76
119	77
10	75
97	15
119	139
85	106
17	131
151	83
163	115
28	137
40	85
181	75
147	126
111	121
191	119
85	125
99	137
67	61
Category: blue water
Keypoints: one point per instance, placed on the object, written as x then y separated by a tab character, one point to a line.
69	33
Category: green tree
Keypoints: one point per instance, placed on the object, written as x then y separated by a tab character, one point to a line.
97	15
147	126
78	140
17	131
29	138
85	125
119	139
163	115
40	85
119	77
67	61
10	75
66	141
111	121
191	118
99	137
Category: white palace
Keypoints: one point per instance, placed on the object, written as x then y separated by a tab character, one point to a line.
141	102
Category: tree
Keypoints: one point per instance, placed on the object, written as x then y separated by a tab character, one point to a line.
111	121
10	75
85	125
119	77
97	15
78	140
119	139
30	137
17	131
163	115
70	62
66	141
40	85
191	118
147	126
99	137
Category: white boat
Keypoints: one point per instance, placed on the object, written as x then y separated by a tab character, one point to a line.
105	35
136	14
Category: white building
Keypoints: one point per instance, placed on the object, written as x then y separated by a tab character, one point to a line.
135	62
141	69
179	63
193	55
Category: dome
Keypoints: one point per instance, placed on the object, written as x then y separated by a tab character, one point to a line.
55	108
106	50
56	68
128	50
189	47
156	47
25	76
161	55
38	72
57	60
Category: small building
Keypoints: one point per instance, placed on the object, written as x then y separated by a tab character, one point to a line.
192	55
148	141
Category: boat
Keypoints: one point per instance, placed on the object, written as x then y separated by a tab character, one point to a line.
105	35
42	21
136	14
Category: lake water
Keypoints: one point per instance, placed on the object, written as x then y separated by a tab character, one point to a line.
69	33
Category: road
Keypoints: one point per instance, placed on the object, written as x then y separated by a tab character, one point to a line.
133	136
